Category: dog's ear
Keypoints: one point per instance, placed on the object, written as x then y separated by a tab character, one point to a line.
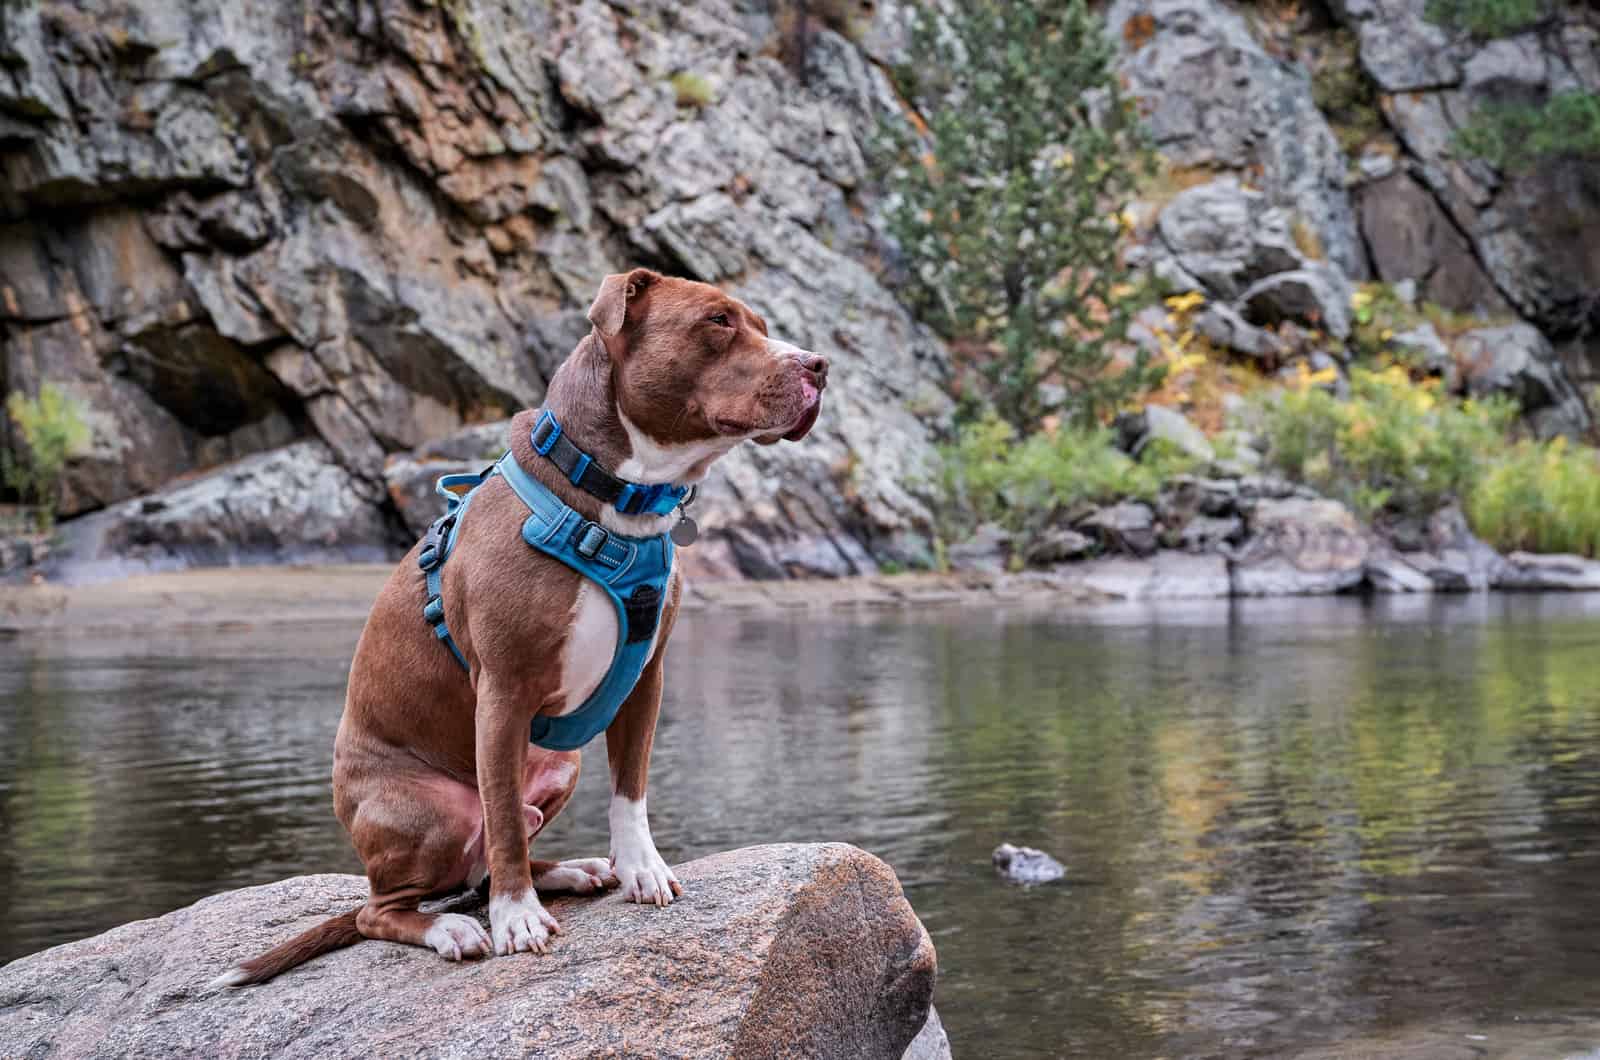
610	309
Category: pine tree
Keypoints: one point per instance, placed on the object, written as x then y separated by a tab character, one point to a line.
1008	213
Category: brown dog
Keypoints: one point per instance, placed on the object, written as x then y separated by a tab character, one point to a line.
434	777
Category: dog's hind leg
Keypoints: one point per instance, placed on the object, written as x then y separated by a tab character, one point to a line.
416	837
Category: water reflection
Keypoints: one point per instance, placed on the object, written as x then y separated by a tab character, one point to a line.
1286	824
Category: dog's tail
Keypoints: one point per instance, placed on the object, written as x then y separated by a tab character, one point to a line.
332	934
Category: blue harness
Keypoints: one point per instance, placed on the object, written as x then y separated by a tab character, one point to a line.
633	571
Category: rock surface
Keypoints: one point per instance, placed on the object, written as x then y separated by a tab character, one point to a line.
1299	546
1528	235
788	950
229	227
295	504
1026	865
1216	99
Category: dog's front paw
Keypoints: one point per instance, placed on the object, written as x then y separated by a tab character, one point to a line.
457	937
645	878
520	925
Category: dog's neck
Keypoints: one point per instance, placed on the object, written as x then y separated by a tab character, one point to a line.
583	400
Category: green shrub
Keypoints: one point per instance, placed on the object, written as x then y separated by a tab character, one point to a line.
989	475
52	429
1518	135
1394	444
1489	18
1541	498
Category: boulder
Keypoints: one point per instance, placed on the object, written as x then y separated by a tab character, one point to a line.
1220	237
1423	346
1222	325
1300	547
1550	571
1174	428
1127	526
289	505
1026	865
1316	295
1167	575
1210	533
987	550
1058	545
1215	98
785	950
1517	360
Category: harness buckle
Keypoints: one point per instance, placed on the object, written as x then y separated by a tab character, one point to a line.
590	540
433	611
551	430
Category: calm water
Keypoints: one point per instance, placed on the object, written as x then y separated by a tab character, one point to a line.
1289	826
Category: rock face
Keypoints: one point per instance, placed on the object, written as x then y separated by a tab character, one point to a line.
1477	236
228	227
294	504
787	950
1217	100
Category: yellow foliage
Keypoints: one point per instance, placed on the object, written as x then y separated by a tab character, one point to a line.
1183	303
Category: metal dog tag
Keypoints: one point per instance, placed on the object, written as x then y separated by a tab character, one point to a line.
685	532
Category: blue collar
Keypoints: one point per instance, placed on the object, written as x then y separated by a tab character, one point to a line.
629	498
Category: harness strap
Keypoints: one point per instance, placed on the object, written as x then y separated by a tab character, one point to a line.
633	572
436	545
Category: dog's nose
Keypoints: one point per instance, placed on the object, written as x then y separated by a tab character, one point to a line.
816	364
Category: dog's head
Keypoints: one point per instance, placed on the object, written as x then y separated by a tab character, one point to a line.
691	364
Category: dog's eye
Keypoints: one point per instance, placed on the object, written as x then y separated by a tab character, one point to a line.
720	320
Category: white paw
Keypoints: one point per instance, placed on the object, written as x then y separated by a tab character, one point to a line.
520	925
457	937
578	876
645	878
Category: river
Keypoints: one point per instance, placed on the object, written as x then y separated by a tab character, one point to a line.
1290	826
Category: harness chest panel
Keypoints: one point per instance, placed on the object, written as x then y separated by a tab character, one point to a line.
633	572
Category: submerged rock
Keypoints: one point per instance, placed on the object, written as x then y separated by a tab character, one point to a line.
789	950
1026	865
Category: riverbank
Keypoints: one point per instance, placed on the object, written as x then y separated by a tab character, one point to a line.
243	598
341	595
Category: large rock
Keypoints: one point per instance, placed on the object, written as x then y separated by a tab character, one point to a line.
774	951
1222	237
1410	237
1525	570
1516	360
226	226
1215	98
1167	575
1300	547
290	505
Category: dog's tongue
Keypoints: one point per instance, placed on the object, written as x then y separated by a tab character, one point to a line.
803	428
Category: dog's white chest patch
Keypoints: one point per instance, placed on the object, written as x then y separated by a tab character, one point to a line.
590	646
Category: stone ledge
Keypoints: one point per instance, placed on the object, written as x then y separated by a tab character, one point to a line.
785	950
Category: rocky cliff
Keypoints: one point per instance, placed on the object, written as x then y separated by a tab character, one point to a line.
780	951
327	234
327	248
